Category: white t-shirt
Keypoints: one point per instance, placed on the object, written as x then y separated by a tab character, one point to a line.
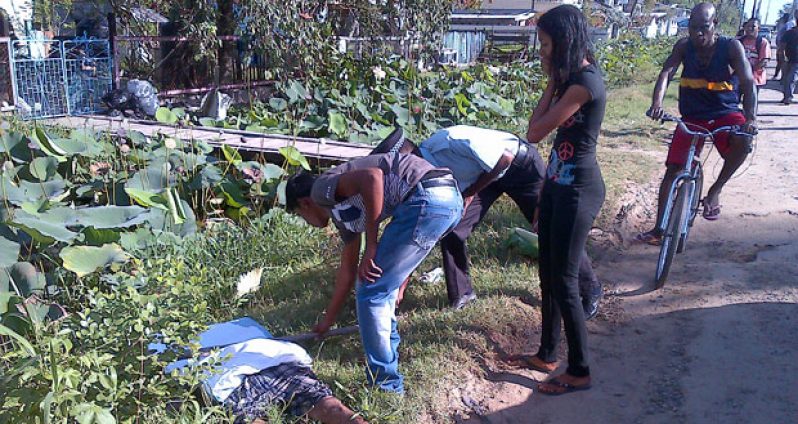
242	359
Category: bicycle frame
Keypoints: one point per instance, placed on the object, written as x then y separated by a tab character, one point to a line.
687	173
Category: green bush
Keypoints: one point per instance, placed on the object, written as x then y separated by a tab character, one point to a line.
366	99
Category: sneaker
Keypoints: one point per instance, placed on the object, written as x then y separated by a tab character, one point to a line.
590	303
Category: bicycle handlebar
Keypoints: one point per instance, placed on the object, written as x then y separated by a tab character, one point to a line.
704	132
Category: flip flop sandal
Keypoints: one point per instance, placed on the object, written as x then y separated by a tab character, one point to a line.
525	361
560	388
711	213
649	237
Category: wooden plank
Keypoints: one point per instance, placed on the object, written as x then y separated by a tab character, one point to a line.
312	148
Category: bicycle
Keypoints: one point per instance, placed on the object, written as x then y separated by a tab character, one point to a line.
684	204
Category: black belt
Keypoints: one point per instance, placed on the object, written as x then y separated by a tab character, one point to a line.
520	156
443	181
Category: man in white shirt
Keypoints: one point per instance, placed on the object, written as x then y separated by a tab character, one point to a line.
486	164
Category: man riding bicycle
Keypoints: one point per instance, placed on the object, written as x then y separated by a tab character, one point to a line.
714	68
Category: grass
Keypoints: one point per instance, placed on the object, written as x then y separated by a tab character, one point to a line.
440	348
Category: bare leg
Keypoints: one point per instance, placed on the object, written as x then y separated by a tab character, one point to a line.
330	410
737	153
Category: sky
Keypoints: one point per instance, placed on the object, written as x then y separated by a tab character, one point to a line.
770	14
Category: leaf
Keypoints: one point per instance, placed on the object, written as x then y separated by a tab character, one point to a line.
175	206
83	260
281	192
209	176
462	103
43	168
19	340
139	239
46	144
277	104
110	217
207	122
402	114
9	140
165	116
91	413
95	237
22	278
231	154
272	171
9	252
294	157
338	124
43	231
147	199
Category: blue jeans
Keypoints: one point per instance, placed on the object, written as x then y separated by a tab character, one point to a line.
417	224
789	79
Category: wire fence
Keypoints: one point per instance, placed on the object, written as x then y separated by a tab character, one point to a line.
53	78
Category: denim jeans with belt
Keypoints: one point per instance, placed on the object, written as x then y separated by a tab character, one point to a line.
417	224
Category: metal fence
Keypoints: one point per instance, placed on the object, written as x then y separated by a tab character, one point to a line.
56	78
89	75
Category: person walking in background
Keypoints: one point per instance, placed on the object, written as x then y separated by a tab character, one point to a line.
783	25
789	45
573	104
757	50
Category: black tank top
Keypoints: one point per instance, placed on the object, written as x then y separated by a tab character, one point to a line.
708	92
573	156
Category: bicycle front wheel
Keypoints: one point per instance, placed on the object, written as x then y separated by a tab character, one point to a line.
672	236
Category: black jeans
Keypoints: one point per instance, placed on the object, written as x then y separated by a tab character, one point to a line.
566	217
522	182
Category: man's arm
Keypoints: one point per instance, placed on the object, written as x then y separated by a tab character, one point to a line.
488	177
742	68
369	184
665	76
344	281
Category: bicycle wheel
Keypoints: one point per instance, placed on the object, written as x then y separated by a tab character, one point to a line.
672	235
695	205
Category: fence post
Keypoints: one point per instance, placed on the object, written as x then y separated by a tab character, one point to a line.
112	48
13	66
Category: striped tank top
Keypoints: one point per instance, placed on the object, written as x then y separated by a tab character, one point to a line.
708	92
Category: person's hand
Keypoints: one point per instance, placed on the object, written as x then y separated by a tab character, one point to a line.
655	112
368	270
750	127
467	202
323	326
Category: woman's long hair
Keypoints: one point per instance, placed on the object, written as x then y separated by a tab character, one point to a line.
570	37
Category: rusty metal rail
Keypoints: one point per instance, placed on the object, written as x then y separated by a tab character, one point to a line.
320	149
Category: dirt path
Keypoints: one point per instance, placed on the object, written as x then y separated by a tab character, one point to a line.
719	343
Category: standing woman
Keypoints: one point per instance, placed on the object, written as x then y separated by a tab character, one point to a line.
573	104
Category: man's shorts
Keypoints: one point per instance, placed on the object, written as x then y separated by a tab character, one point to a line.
292	387
680	146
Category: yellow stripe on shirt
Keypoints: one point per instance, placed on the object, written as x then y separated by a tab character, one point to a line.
699	83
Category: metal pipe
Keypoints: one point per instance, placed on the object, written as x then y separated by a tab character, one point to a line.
237	86
170	38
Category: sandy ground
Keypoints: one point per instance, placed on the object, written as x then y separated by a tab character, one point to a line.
719	343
